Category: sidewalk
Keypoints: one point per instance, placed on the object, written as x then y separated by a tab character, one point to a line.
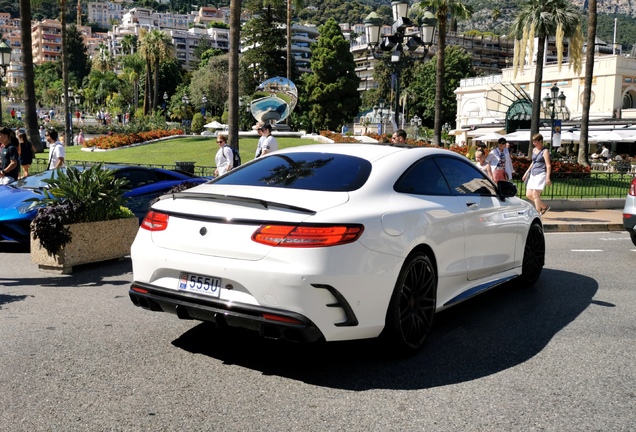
583	220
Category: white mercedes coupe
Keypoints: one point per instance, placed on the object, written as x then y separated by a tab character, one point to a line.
333	242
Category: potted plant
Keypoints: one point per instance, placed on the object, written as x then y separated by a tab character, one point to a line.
82	220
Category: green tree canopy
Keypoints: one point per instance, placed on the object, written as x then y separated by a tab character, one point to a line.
264	40
458	65
330	95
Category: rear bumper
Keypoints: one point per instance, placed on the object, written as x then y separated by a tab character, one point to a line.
288	326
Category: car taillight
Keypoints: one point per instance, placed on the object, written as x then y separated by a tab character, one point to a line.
303	236
155	221
632	188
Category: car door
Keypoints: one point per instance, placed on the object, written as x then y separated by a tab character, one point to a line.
435	213
490	223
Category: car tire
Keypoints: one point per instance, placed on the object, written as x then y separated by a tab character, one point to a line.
412	307
533	256
633	236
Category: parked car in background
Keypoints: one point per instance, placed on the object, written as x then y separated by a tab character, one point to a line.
336	242
629	211
144	185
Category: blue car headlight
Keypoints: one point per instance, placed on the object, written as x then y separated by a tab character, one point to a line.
28	207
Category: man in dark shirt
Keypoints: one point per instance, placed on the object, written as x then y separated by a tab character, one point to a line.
10	159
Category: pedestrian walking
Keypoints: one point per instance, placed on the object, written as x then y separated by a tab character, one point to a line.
538	174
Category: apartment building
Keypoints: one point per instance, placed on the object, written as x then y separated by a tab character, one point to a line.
302	37
47	41
105	13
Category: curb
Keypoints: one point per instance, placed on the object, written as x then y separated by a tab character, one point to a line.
584	227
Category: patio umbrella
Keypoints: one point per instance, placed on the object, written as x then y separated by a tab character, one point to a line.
215	125
604	136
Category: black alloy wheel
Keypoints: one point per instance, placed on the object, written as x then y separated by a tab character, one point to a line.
533	256
410	315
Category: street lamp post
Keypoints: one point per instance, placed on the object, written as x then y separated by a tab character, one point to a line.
403	36
69	117
204	104
446	128
5	59
554	104
165	105
416	123
184	121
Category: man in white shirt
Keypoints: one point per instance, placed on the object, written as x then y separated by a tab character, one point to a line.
604	153
268	143
57	152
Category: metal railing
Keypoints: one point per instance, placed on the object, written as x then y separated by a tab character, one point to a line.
595	185
584	186
40	164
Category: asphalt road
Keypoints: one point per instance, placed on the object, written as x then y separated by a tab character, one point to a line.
76	355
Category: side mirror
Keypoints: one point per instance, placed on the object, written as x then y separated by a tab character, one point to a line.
506	189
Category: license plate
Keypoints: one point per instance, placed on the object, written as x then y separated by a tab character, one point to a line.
200	284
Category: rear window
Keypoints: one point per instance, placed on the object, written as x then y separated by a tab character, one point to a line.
304	170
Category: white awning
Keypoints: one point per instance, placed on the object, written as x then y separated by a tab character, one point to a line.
484	131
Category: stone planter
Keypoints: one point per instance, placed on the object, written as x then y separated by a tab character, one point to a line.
91	242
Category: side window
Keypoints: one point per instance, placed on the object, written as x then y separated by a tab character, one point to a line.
423	178
136	178
464	178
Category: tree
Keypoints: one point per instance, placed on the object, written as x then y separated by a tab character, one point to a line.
457	66
542	19
133	66
105	60
65	79
330	93
78	60
28	71
443	8
128	44
587	87
154	47
264	39
233	79
211	81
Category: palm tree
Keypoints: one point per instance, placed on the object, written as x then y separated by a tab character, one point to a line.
545	18
128	44
233	84
133	66
67	115
589	74
154	47
104	61
443	8
28	74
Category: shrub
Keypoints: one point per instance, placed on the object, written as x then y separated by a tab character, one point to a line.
75	196
122	140
197	123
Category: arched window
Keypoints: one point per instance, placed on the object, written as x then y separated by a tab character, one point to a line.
628	100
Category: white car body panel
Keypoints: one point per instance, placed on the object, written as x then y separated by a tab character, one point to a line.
476	241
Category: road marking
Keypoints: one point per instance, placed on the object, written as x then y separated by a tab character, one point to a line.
586	250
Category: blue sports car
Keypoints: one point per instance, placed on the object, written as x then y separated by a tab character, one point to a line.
144	185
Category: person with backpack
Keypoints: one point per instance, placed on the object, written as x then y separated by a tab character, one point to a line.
224	158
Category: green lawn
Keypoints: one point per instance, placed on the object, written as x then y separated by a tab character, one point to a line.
201	151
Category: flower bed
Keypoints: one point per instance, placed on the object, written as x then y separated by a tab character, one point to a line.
338	138
122	140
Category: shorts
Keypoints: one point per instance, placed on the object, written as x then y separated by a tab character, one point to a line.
536	181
